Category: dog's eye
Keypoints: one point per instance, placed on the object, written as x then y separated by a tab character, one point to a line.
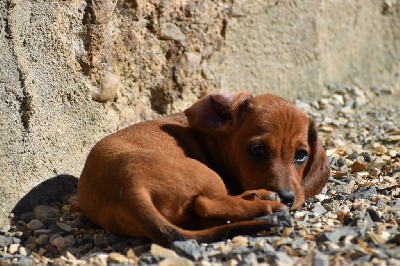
257	151
300	156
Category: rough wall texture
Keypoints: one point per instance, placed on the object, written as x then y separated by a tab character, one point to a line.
73	71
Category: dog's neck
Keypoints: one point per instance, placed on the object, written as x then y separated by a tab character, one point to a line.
216	161
204	148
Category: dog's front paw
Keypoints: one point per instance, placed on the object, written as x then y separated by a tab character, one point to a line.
260	194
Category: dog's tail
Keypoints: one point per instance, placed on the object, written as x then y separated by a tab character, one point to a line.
228	230
163	232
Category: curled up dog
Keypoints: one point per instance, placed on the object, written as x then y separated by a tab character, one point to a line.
229	157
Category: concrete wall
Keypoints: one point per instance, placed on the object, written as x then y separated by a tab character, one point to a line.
296	48
73	71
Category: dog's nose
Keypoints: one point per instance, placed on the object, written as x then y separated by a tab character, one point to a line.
287	196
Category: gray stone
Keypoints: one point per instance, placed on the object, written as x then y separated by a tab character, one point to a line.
283	259
22	261
64	226
41	232
240	250
42	240
62	243
343	188
336	235
5	241
29	216
281	219
363	193
46	214
34	225
319	210
320	259
189	249
394	203
100	240
381	203
250	259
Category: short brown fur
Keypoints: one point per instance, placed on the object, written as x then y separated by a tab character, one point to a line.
186	175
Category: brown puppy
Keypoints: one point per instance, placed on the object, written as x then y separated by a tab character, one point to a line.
186	175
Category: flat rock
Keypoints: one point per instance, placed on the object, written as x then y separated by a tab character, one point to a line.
64	226
42	239
159	251
115	257
5	241
283	259
281	219
319	210
45	213
62	243
363	193
189	249
336	235
320	259
176	261
13	248
34	225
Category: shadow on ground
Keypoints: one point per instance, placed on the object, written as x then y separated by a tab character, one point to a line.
55	189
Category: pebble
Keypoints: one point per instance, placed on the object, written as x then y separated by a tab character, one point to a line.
13	248
189	249
34	225
319	210
45	213
62	243
170	31
159	251
22	251
65	227
363	193
115	257
240	241
42	239
320	259
175	261
283	259
5	241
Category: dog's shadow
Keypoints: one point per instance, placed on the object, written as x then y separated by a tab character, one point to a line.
53	202
55	189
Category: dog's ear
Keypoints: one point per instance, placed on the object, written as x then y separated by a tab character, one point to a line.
217	112
316	172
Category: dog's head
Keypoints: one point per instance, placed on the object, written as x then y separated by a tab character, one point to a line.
267	143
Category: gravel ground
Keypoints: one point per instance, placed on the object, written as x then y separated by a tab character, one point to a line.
353	221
